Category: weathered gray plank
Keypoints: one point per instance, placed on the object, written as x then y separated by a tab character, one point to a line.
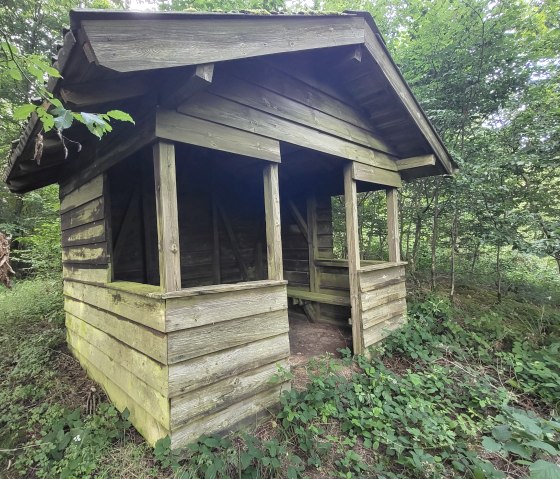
416	162
376	333
189	375
272	218
142	44
379	176
393	231
195	131
87	213
195	342
77	272
84	234
192	311
89	254
220	110
374	316
89	191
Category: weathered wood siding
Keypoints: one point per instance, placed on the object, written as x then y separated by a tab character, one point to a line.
295	248
84	239
116	334
223	346
383	300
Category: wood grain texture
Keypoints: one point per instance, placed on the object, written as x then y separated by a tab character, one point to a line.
182	87
195	342
89	191
416	162
380	331
148	341
135	307
378	176
195	131
85	234
353	245
226	112
143	421
247	412
222	394
192	311
103	359
96	274
167	216
86	254
142	44
393	230
149	371
86	213
272	218
189	375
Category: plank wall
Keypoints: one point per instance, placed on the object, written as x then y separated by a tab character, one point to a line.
224	344
383	300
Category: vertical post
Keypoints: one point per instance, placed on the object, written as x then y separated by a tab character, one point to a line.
167	216
312	241
272	216
393	237
353	244
216	239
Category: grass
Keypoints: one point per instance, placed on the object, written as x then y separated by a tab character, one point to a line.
470	389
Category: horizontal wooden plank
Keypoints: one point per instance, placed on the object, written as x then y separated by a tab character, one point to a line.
90	254
377	298
84	234
416	162
220	110
143	421
272	103
371	280
143	44
192	311
148	341
246	412
224	393
171	125
144	368
334	281
86	213
374	316
194	342
323	297
150	399
77	272
376	333
189	375
84	194
378	176
300	277
135	307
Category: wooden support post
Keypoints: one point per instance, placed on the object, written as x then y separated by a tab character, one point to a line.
167	216
312	243
353	244
272	215
216	239
393	225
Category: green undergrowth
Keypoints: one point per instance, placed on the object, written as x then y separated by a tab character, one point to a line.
466	390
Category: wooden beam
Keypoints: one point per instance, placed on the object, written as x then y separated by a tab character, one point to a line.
88	94
177	90
272	215
353	243
194	131
299	220
167	216
376	48
313	244
393	225
378	176
131	44
416	162
234	244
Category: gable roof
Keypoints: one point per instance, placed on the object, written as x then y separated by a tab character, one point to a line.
105	45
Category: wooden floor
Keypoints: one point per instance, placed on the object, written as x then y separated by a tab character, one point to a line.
309	339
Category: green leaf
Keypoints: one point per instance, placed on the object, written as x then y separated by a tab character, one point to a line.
544	470
62	118
120	115
15	74
543	446
515	448
491	445
23	111
502	433
292	472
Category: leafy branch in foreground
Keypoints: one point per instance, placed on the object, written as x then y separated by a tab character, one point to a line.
33	69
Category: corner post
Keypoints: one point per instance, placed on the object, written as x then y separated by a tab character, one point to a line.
167	216
393	239
272	216
353	245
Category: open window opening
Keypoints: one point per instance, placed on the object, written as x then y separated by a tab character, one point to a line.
132	220
372	231
222	230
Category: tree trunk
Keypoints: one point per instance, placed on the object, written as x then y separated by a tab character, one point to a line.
454	234
498	275
435	225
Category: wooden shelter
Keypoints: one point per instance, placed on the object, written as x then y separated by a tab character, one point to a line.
189	236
